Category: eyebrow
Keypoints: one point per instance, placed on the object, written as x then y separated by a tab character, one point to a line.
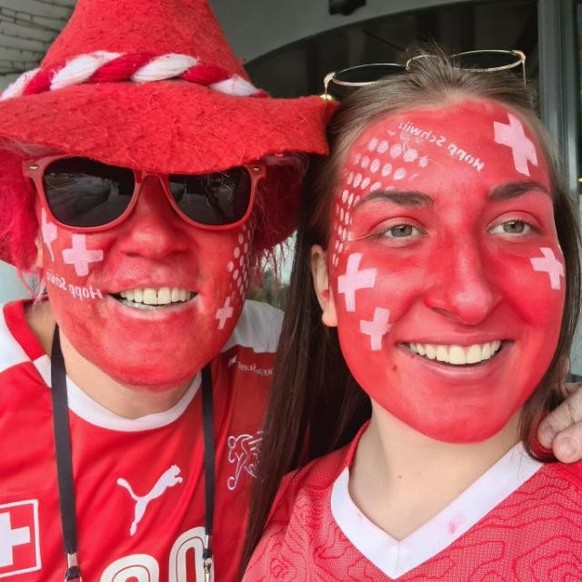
515	189
408	198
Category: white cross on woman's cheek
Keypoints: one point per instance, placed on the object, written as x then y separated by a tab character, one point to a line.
80	256
550	265
377	328
353	280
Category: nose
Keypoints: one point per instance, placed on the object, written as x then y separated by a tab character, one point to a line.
154	228
463	287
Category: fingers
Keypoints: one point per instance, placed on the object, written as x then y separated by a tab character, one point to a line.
561	430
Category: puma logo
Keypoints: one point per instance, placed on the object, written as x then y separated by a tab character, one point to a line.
168	479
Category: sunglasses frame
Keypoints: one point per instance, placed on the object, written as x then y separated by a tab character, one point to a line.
398	68
34	169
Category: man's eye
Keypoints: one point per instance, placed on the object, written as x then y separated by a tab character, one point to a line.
512	227
402	231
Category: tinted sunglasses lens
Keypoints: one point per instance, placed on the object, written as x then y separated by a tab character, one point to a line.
217	199
84	193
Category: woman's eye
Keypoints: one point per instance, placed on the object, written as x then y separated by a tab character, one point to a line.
402	231
512	227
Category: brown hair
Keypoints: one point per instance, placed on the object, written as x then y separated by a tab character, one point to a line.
316	405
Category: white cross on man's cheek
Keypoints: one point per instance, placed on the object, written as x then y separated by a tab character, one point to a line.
224	313
80	256
377	328
49	233
550	265
513	136
353	280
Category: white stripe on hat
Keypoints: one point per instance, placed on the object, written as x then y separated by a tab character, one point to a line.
164	67
81	68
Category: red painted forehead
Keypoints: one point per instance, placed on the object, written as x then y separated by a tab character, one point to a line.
479	136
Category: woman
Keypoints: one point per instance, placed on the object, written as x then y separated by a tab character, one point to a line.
445	261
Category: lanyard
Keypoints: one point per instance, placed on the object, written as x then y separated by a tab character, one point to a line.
62	436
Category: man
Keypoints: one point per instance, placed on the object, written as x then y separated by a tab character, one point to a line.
143	176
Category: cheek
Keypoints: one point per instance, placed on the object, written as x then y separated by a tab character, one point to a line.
233	275
68	259
365	304
534	284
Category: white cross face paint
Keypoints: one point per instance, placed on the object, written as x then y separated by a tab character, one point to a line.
513	136
377	328
354	279
447	283
550	265
80	256
49	233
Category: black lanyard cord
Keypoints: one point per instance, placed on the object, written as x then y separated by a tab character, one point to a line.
64	458
208	426
65	466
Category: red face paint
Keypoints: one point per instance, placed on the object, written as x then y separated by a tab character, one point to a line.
101	288
447	274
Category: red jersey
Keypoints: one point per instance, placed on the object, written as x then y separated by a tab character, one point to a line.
139	483
520	521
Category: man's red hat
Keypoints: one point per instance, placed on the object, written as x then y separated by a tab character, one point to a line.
154	85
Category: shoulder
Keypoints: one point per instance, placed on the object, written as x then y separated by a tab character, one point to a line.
258	328
569	473
303	490
301	540
18	343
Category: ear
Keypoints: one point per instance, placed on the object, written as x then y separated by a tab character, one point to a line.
321	285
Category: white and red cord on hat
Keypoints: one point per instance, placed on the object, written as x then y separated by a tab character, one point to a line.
106	67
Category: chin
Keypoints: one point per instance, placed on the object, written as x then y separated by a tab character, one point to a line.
463	432
155	380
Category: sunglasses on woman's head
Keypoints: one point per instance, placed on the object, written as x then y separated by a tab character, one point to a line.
481	61
85	195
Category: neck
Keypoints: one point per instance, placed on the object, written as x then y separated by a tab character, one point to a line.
400	478
125	400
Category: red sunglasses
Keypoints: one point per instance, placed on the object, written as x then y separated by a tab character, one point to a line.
85	195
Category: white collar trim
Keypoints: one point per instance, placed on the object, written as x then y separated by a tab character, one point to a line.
396	558
92	412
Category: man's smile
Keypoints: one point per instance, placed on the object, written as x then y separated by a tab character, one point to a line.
148	297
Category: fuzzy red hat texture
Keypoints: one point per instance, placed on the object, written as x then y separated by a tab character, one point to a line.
155	85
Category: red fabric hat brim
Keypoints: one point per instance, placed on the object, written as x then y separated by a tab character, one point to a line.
169	126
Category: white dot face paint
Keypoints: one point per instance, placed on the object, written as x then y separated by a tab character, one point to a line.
447	274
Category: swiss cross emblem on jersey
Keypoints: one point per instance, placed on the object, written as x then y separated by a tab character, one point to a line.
19	538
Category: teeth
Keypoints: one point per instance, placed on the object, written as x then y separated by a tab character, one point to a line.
457	355
161	296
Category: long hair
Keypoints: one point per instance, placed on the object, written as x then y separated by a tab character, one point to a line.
316	405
